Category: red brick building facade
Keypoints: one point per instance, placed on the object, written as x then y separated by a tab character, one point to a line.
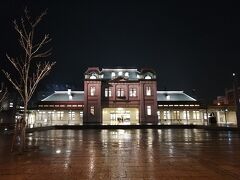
120	88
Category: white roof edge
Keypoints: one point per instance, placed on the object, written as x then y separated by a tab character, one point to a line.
118	69
62	92
170	92
67	92
47	97
190	97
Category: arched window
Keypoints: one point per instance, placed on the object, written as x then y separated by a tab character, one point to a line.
148	77
93	76
126	74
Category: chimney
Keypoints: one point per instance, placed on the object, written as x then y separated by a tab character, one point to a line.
69	92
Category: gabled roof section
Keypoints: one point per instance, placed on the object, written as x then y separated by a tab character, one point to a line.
66	96
173	96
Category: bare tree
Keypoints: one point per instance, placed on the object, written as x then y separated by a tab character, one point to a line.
3	94
31	66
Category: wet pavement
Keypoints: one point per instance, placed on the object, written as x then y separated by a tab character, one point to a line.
124	154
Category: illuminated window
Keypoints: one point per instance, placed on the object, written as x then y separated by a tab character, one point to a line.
93	76
92	110
166	115
108	92
126	74
120	92
148	91
158	115
113	75
112	116
120	73
81	115
148	77
71	115
133	92
176	115
60	115
186	114
196	115
92	91
205	116
149	110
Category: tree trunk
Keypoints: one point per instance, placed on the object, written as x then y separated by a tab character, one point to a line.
23	127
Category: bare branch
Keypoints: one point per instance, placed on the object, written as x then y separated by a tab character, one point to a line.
15	84
16	65
42	70
39	18
3	93
44	41
43	54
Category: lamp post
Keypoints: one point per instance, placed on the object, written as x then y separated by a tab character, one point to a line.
236	97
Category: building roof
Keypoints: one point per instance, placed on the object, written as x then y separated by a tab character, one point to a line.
66	96
132	73
79	96
173	96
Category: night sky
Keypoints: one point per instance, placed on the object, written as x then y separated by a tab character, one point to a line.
190	44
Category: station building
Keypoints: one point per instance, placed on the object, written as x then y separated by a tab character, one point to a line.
118	96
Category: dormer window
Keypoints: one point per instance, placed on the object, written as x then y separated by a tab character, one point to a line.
93	76
126	74
120	73
113	74
148	77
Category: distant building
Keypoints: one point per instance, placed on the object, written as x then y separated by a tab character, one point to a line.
118	96
224	108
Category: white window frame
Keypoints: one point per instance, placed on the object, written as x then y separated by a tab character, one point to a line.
149	110
92	91
120	92
92	110
148	91
108	92
133	92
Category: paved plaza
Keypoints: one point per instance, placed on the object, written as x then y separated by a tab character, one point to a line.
124	154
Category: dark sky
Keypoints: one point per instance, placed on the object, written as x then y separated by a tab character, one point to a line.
191	44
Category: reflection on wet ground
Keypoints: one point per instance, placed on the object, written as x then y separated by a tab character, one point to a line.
124	154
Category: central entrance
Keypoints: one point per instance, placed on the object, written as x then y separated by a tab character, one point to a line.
120	116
